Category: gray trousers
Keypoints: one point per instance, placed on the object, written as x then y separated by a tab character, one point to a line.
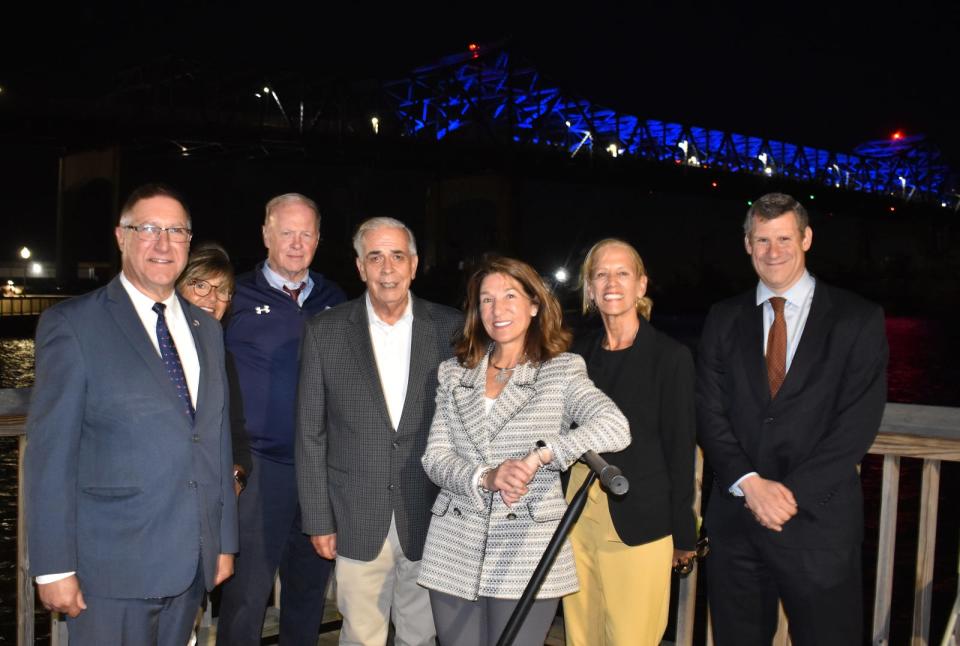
461	622
166	621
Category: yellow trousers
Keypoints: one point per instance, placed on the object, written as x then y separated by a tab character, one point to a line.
624	596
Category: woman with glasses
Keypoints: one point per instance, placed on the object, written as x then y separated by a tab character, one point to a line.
625	546
208	282
500	436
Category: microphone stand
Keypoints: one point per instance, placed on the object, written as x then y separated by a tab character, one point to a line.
611	478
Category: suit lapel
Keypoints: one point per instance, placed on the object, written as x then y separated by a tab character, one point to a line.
750	332
127	319
422	356
815	332
468	396
194	321
358	338
518	392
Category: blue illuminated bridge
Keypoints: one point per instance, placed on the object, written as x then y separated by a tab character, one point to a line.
485	92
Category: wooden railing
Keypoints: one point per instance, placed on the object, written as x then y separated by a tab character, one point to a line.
930	433
28	305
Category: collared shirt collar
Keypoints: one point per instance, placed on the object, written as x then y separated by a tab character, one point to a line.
143	304
376	320
796	295
278	282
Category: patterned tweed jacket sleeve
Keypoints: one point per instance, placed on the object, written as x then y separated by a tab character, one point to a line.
476	545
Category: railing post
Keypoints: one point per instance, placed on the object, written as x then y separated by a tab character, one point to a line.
687	592
24	585
886	544
926	546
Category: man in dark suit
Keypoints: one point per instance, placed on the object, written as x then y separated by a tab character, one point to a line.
368	378
791	389
130	505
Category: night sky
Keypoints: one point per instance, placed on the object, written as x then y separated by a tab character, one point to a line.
829	77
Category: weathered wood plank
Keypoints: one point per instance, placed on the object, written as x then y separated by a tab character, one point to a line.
24	584
926	546
687	594
886	544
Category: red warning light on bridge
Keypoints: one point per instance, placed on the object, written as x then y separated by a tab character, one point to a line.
474	49
897	136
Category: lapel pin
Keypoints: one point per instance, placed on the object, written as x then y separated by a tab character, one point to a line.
196	323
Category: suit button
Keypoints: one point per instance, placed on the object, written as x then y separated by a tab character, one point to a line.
196	438
457	512
768	420
192	484
396	444
511	516
391	487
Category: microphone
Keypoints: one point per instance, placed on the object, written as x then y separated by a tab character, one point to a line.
610	476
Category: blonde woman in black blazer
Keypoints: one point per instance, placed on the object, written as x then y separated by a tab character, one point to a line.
625	546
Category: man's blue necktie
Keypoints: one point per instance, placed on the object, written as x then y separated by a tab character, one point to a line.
168	352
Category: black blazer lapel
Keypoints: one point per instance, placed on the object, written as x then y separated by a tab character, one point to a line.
358	338
750	346
815	333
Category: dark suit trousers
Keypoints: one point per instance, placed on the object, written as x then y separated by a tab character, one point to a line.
271	538
165	621
821	590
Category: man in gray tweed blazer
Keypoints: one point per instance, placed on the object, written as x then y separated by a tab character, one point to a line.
368	378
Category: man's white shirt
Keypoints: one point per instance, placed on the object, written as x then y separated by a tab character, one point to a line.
391	349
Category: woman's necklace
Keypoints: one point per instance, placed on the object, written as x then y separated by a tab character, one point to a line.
504	373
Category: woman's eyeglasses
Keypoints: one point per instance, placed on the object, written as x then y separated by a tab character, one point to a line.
201	288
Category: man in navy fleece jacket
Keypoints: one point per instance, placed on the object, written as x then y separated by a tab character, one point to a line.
270	308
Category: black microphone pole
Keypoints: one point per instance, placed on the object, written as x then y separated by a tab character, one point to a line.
597	466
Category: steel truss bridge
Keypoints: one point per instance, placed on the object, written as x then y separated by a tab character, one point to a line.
485	92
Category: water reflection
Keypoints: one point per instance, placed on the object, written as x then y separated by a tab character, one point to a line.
16	363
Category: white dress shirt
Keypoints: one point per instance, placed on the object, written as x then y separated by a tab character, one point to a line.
391	349
182	338
795	313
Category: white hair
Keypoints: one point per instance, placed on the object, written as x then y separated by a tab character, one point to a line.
382	223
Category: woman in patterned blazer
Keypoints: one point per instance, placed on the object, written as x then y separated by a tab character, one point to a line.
499	439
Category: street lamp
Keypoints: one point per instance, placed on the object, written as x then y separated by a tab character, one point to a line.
25	253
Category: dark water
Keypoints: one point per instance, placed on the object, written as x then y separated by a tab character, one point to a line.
924	369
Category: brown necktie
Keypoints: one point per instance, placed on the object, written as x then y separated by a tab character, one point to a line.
294	293
777	346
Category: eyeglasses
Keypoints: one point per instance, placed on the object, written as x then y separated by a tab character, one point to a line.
683	568
201	288
151	232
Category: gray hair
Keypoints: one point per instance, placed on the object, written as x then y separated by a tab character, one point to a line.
382	223
147	191
288	198
772	206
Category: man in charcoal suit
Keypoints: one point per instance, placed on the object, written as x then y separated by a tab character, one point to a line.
368	378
